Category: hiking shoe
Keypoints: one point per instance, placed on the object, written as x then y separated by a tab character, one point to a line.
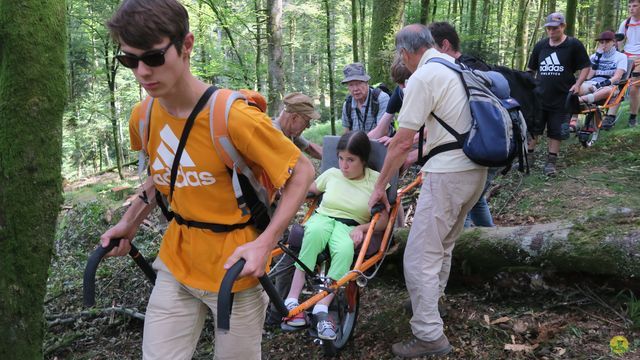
296	320
417	348
573	124
326	327
550	169
633	122
608	122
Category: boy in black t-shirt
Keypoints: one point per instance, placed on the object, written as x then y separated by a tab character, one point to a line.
555	59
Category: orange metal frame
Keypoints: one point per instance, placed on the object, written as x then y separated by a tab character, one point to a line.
361	265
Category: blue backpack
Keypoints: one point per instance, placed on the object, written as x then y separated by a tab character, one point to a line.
498	131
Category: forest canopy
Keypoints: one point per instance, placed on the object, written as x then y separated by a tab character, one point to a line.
277	47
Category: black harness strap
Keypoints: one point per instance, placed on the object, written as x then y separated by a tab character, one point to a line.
217	228
348	222
185	134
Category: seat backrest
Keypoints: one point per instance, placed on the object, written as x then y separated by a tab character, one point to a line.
627	73
376	160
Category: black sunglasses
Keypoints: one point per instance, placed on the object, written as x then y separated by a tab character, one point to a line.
152	58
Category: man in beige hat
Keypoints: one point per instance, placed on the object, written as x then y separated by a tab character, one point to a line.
295	118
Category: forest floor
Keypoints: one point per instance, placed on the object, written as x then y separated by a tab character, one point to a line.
499	316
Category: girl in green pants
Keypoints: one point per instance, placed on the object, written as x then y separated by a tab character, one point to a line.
341	222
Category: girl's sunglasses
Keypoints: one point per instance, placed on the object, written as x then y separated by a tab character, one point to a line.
152	58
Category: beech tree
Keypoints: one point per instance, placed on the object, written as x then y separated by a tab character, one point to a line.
32	97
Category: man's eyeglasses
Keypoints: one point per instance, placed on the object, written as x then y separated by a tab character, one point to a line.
152	58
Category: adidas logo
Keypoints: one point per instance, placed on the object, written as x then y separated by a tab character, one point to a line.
551	64
164	159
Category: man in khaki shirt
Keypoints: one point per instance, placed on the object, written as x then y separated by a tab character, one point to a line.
451	184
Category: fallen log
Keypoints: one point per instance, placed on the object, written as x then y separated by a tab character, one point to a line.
605	244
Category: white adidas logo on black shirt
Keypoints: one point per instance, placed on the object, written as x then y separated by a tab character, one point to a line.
551	65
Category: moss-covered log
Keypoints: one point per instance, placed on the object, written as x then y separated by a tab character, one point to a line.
607	244
32	95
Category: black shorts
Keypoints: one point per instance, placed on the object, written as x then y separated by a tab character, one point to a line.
556	122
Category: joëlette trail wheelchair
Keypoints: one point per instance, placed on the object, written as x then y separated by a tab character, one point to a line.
344	307
588	130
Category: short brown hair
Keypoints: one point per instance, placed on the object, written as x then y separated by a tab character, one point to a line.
144	23
443	30
399	72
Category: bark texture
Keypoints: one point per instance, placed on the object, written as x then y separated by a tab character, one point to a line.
387	18
606	245
32	96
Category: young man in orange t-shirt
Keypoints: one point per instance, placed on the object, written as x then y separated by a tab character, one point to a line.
155	43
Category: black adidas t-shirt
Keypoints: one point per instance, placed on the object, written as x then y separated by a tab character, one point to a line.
556	66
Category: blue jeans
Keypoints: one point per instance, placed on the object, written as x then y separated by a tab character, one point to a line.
480	214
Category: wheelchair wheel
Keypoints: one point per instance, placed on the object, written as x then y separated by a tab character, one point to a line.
344	310
588	134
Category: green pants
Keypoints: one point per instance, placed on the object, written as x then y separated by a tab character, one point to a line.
321	230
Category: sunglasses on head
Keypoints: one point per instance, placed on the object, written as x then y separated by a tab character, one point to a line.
151	58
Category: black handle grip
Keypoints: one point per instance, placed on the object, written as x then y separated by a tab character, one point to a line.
225	295
89	279
377	208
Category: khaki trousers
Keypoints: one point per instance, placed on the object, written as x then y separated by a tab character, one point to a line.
176	313
445	199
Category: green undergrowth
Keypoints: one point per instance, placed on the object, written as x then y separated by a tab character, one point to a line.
590	181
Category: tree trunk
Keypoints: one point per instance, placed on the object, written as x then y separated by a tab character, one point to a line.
424	11
111	69
604	17
225	26
585	247
257	8
572	6
332	95
520	34
354	29
551	7
276	75
387	17
32	97
363	47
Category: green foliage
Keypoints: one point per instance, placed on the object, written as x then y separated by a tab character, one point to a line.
318	131
632	305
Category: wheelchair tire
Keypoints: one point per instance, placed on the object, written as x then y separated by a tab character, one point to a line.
346	316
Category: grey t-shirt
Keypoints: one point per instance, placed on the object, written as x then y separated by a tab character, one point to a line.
298	141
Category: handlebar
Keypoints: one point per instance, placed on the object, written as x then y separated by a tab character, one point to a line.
89	280
225	296
377	208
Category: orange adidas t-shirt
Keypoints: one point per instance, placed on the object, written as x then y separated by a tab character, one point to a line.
203	190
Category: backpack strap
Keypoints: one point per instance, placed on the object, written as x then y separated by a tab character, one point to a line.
144	117
375	103
185	135
348	108
219	110
458	144
626	25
